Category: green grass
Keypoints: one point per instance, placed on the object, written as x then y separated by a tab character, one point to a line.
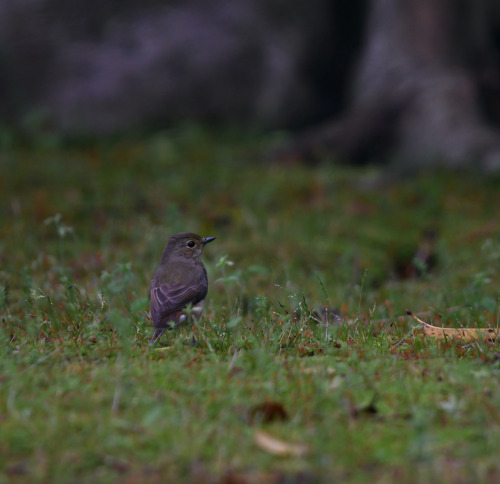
84	399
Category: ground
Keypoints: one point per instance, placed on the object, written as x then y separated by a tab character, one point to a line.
271	391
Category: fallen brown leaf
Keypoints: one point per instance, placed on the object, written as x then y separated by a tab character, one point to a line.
267	412
279	447
463	334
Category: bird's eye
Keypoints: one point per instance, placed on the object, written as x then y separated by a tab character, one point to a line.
191	244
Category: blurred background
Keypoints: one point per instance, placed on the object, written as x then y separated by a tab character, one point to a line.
414	82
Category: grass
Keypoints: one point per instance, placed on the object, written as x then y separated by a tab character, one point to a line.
82	396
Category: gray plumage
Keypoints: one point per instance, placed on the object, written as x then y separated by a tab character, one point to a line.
179	281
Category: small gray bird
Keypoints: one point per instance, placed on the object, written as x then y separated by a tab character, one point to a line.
180	280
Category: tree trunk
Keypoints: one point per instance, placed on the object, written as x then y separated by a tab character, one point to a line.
415	96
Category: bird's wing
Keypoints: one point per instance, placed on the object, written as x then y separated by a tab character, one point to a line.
170	298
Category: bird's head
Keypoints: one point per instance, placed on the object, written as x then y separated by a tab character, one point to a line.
187	245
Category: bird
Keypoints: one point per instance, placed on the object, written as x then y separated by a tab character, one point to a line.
179	281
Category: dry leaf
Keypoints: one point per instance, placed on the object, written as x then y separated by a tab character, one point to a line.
464	334
267	412
278	447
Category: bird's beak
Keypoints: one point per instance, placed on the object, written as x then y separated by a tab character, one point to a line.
207	240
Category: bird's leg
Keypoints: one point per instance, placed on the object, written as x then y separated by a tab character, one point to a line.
157	334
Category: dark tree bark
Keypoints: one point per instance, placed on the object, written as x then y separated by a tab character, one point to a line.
418	94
